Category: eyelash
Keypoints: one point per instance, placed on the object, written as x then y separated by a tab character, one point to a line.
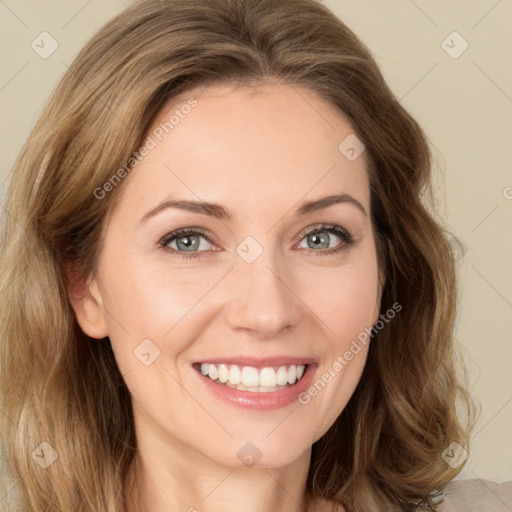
329	228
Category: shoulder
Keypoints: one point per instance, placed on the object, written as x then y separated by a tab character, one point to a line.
459	496
477	494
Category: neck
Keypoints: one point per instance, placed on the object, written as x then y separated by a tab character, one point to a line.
153	484
190	489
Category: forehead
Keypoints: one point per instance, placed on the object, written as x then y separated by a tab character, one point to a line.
248	147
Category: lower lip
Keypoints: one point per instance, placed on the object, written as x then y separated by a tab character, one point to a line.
259	401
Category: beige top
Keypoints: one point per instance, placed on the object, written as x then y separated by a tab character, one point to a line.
477	495
474	495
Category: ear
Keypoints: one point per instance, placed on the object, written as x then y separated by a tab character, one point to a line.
85	297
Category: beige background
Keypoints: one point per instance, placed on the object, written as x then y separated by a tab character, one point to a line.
464	105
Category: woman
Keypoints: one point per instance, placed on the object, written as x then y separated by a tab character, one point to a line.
222	284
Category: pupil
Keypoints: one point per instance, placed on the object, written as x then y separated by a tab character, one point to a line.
189	242
321	239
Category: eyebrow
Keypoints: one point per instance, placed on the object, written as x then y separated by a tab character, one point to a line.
219	212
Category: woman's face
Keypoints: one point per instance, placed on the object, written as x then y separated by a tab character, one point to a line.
246	292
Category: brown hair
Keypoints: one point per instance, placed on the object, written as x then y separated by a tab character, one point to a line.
59	386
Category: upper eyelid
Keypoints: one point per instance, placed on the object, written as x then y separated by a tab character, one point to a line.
326	226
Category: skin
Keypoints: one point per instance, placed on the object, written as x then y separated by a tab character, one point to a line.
261	153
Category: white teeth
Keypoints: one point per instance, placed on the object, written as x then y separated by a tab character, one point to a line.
268	377
249	378
235	375
282	376
292	374
223	373
213	373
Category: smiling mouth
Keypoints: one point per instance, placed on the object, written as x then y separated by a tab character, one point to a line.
249	378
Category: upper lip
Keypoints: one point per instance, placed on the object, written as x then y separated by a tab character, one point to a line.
259	362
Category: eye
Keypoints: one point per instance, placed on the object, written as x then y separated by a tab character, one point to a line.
319	239
187	242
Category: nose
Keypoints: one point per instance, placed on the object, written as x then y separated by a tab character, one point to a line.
261	299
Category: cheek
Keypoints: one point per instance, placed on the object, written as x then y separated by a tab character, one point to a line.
345	299
346	302
164	302
151	298
172	308
158	302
